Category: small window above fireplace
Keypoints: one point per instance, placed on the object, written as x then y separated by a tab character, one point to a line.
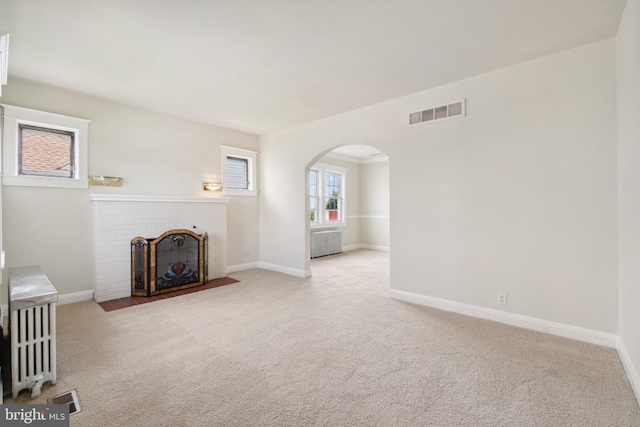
239	175
43	149
45	152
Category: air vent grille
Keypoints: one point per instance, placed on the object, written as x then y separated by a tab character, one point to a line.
443	112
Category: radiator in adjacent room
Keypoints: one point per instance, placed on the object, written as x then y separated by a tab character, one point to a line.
326	243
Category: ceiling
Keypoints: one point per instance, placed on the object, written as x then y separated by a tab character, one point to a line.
263	65
359	153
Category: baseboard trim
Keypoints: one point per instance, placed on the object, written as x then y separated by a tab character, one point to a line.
286	270
108	296
75	297
370	247
62	300
376	248
554	328
629	367
242	267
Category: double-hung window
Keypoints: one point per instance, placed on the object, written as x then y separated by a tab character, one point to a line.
314	200
333	196
327	195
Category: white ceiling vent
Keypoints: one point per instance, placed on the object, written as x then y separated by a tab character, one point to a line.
436	114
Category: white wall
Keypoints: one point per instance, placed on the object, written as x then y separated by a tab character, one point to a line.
628	109
518	197
156	154
374	205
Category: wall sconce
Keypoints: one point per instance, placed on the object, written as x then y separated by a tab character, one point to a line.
105	181
211	186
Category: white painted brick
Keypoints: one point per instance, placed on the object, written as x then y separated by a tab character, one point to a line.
117	223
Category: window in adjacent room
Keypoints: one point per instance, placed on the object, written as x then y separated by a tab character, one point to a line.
327	195
239	175
332	196
314	212
43	149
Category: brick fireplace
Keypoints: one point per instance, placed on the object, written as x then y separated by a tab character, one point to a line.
117	220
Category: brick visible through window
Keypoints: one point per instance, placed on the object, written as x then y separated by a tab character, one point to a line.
46	152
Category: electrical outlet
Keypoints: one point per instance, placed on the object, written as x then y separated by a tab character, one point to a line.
502	298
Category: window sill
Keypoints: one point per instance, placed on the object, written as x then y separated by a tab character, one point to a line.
228	192
36	181
328	225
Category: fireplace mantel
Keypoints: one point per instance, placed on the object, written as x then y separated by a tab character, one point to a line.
167	199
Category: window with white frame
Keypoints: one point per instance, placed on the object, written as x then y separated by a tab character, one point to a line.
314	201
327	195
239	177
237	173
43	149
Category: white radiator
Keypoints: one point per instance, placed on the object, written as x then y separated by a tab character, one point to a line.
326	243
32	300
33	346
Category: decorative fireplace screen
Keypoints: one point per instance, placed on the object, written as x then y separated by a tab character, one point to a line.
175	260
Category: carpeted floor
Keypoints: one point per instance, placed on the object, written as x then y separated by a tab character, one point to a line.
332	350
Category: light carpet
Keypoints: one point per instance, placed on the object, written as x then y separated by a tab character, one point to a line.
331	350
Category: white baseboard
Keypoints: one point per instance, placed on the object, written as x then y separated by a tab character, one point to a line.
376	248
554	328
371	247
109	295
286	270
62	300
241	267
629	367
75	297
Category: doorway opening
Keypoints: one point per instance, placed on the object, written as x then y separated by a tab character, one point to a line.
348	202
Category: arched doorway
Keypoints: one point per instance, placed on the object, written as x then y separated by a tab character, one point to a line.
348	201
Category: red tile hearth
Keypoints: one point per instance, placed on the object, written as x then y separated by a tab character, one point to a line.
116	304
